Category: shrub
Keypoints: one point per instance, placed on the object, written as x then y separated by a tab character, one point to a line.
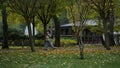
66	41
63	41
39	42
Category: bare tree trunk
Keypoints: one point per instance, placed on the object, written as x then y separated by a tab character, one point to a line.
107	41
33	23
107	45
81	46
111	20
57	31
5	25
45	31
102	40
30	36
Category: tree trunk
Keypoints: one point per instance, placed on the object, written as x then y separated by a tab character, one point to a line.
31	42
81	46
57	31
102	40
107	41
106	35
5	25
33	23
45	31
111	20
111	38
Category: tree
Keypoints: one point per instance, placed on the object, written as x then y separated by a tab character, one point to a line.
5	25
27	9
82	12
117	16
117	8
111	21
62	19
60	9
105	11
45	12
49	9
73	16
57	30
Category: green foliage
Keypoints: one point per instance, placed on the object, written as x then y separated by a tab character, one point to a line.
14	18
117	8
39	42
63	17
47	9
15	33
25	8
97	29
63	41
39	26
72	11
117	28
39	36
0	5
67	41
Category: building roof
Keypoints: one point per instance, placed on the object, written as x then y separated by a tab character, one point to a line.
117	32
88	22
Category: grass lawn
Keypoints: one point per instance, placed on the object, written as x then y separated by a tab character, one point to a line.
67	57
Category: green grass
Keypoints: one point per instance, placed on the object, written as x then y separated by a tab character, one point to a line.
95	57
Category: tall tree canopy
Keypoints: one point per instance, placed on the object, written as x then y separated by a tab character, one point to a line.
27	9
105	11
49	9
46	11
78	12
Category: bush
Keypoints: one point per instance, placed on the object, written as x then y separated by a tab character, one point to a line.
39	36
63	41
39	42
66	41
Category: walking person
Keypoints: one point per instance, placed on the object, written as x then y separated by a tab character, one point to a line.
48	40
